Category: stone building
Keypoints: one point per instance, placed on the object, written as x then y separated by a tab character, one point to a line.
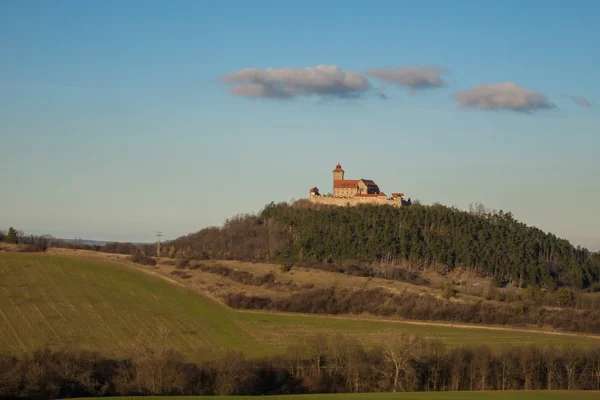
354	191
350	187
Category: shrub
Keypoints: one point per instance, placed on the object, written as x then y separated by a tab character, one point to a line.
181	274
139	258
448	291
36	243
172	252
564	297
182	263
285	267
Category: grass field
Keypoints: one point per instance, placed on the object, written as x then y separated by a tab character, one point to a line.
55	300
506	395
51	301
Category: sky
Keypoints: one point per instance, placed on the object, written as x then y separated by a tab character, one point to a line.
120	119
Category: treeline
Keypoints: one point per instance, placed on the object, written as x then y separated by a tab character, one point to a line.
434	237
40	243
126	248
27	243
316	365
424	307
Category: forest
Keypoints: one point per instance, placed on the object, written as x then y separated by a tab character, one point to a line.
419	237
319	364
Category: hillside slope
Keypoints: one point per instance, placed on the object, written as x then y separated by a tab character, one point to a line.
56	301
51	300
434	237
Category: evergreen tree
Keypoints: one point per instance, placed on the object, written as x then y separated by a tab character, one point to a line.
11	236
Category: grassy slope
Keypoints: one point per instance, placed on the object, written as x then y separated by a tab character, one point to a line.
541	395
53	300
50	300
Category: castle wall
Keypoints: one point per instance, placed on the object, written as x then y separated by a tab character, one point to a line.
339	201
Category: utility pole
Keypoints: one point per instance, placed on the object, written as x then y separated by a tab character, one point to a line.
158	235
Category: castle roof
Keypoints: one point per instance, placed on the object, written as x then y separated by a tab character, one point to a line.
338	168
396	195
369	182
347	183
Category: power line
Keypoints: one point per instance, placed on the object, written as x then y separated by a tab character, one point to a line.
158	235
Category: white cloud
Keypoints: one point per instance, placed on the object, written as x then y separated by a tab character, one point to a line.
580	101
280	83
412	78
499	96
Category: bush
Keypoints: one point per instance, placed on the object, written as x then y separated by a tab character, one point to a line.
139	258
182	263
36	243
285	267
564	297
181	274
448	291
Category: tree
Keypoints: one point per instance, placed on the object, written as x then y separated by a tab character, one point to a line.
483	359
564	297
399	352
11	236
572	359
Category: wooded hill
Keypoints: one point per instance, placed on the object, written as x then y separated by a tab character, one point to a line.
434	237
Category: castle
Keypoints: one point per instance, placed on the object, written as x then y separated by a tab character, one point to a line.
355	191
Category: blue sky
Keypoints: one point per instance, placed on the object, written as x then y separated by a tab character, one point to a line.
115	121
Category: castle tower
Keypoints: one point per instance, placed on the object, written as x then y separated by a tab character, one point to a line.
338	173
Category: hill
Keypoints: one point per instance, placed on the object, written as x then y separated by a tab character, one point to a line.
107	304
437	238
56	301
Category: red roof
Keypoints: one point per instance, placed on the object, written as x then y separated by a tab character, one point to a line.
396	195
338	168
347	183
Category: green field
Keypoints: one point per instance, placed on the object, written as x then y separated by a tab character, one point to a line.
507	395
52	301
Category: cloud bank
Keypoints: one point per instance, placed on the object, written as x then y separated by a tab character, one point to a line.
282	83
580	101
502	96
412	79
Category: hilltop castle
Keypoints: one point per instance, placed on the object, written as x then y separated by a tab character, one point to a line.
354	191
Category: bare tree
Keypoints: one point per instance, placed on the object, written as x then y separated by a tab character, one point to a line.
595	366
483	358
399	352
550	364
438	364
529	360
230	373
573	361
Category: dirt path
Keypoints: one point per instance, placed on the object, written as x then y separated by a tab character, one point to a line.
414	322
